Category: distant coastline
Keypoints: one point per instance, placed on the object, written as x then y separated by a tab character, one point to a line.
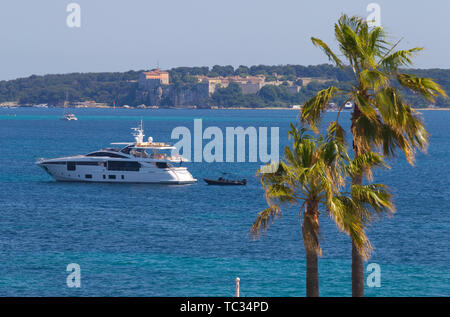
194	108
258	86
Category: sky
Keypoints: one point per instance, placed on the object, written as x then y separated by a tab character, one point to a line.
119	35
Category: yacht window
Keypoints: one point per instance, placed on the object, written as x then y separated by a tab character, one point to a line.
71	166
87	163
162	165
106	154
112	176
123	166
88	176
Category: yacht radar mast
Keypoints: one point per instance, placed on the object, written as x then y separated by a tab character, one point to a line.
139	134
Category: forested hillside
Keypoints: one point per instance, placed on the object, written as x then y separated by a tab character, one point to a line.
123	87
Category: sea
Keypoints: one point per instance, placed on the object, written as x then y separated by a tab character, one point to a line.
194	240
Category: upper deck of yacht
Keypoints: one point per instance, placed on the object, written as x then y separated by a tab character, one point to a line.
141	144
139	150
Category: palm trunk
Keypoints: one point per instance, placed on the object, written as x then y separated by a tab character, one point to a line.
312	275
310	229
357	258
357	272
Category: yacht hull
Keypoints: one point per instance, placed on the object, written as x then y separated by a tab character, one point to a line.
173	175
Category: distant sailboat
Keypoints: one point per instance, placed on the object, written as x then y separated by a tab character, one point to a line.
68	116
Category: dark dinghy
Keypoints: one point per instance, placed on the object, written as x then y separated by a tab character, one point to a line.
223	181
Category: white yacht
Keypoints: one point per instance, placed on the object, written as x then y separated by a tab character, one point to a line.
69	117
135	162
348	105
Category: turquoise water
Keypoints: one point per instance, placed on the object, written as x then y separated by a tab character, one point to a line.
153	240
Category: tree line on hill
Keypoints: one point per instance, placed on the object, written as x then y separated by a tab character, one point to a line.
122	87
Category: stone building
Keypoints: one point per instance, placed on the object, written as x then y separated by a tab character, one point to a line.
307	80
249	84
153	78
154	86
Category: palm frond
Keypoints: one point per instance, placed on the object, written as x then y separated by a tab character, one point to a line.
421	85
364	105
402	58
346	214
392	140
336	131
373	79
375	196
354	22
313	108
264	219
349	42
331	56
415	130
364	163
365	133
403	128
376	41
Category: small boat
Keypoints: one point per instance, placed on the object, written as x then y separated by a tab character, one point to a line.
224	181
348	105
69	117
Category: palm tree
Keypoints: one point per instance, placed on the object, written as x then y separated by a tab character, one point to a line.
381	117
312	174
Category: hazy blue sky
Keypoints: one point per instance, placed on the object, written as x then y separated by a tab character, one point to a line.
135	34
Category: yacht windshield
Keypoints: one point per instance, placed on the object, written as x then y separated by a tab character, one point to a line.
139	153
157	155
126	149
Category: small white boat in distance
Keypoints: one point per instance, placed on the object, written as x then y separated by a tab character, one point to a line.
348	105
332	107
135	162
69	117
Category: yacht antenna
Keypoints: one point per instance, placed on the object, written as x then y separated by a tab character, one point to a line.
139	133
